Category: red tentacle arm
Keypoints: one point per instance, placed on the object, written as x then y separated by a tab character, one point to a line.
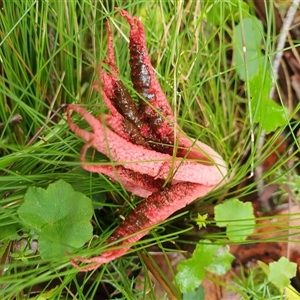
142	74
142	160
153	210
138	141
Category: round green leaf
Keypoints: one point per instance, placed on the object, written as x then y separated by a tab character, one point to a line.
60	215
238	217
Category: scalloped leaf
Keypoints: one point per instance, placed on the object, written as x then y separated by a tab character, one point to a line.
237	217
61	217
206	257
281	272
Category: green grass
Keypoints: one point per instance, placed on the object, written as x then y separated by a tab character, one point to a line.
49	51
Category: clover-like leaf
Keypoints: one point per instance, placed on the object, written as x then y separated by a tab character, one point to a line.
238	217
221	261
61	217
189	275
218	12
198	293
249	34
265	110
9	229
281	272
206	257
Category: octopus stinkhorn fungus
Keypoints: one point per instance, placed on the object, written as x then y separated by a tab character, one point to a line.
152	157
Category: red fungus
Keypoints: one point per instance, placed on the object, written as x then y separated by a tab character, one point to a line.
148	146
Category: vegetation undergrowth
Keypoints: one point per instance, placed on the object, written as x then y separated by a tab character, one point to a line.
49	54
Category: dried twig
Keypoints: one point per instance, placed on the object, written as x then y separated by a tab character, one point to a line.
258	172
14	120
